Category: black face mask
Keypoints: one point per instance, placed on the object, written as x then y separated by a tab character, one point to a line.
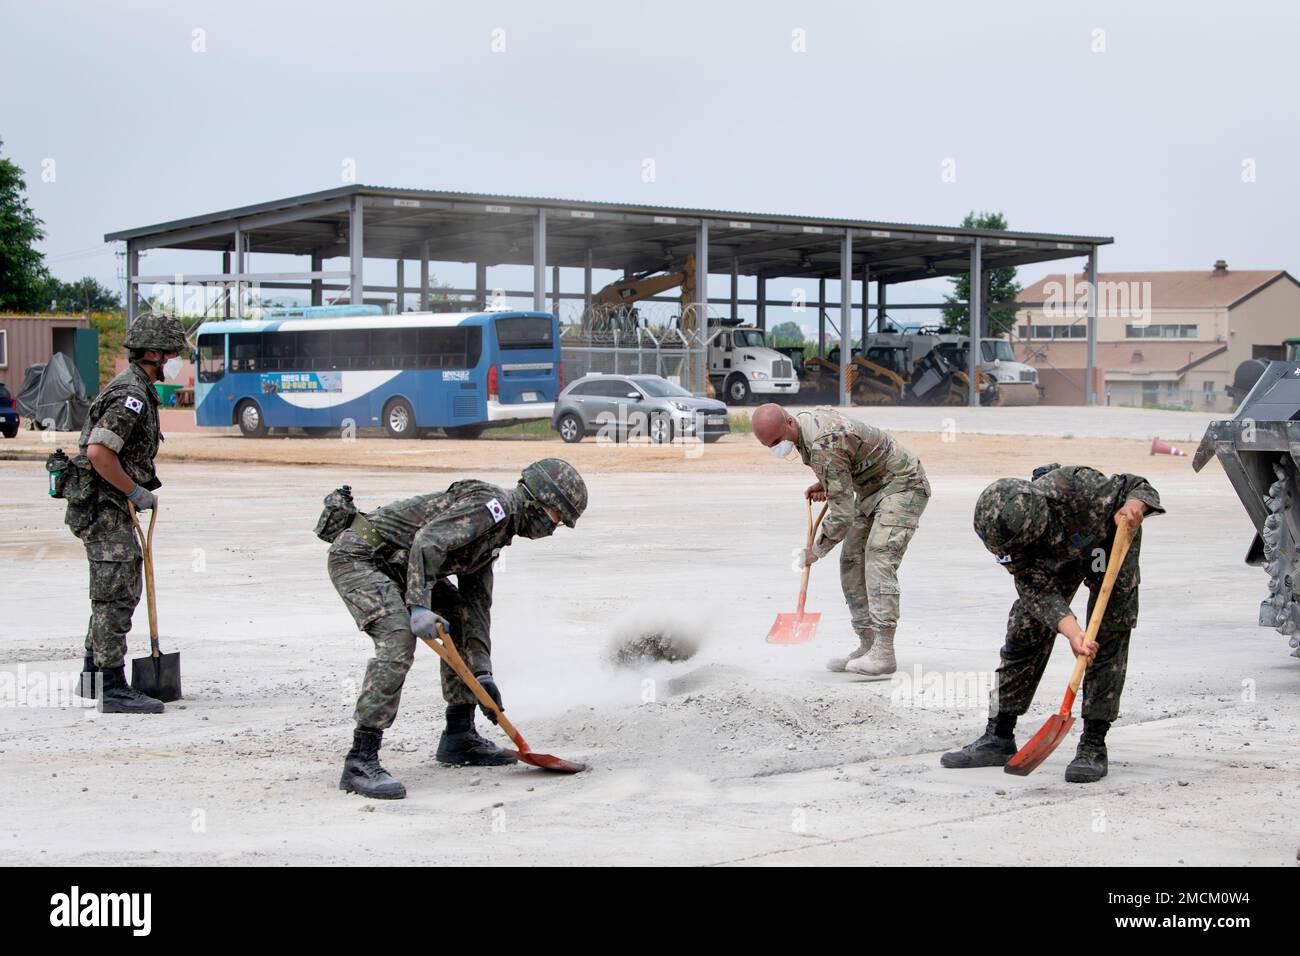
536	523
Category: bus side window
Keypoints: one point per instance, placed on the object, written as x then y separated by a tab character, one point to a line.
314	352
351	348
245	352
212	358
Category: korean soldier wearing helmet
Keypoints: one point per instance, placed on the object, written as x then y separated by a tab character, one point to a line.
115	467
1052	534
393	566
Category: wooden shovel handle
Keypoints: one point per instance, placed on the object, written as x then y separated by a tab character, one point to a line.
443	646
812	533
1118	550
146	548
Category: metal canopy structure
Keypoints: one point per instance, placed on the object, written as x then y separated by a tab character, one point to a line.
365	222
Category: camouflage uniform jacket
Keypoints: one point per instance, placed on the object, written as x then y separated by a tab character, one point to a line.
124	419
857	464
1081	503
457	531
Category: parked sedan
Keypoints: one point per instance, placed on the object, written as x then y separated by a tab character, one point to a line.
623	406
9	419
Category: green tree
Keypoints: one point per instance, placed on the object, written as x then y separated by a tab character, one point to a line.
787	333
23	275
84	295
1002	287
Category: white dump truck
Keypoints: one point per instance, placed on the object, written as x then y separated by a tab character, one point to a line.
741	366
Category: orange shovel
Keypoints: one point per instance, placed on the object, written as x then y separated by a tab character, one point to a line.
799	627
1050	735
445	649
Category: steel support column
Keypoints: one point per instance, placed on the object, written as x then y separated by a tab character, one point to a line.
237	267
761	294
846	313
702	306
975	307
356	282
586	282
401	286
539	261
735	288
225	291
1090	393
555	291
880	304
480	285
132	293
317	287
424	277
821	318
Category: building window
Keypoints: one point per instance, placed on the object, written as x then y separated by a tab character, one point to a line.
1162	331
1209	389
4	348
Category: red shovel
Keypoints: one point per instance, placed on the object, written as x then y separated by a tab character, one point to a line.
445	649
799	627
1058	725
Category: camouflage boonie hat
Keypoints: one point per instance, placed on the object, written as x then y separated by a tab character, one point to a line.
1010	514
555	482
156	331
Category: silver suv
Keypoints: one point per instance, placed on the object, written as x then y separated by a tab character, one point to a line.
629	406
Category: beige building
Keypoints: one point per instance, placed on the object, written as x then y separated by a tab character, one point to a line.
1163	338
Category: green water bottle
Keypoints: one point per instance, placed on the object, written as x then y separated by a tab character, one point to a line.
57	465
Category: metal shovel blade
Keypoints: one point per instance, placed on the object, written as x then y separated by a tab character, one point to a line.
546	761
794	628
159	677
1040	746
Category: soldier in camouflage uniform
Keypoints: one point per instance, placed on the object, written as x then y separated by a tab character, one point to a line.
876	491
115	466
392	567
1052	534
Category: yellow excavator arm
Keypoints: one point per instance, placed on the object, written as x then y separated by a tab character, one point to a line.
617	296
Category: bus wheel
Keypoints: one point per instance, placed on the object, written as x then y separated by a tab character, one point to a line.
249	418
661	429
737	390
399	419
570	429
464	432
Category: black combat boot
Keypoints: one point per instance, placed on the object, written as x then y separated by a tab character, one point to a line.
361	770
86	687
993	749
1089	764
461	745
119	697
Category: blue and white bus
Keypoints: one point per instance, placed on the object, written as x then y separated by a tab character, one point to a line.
461	372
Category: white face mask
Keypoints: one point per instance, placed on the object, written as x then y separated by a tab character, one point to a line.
782	449
172	367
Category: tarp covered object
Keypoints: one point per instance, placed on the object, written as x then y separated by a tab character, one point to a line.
53	395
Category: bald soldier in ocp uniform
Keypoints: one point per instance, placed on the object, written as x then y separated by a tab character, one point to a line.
876	491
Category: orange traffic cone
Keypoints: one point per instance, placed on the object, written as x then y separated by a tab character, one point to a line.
1159	447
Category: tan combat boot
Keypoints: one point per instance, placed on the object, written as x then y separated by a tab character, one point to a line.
840	664
879	661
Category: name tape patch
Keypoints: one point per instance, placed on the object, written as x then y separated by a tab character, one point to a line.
1003	558
133	403
498	513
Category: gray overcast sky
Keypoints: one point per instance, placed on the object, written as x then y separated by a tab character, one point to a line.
1145	141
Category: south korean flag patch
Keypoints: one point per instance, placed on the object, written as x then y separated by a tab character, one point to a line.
133	403
498	512
1003	559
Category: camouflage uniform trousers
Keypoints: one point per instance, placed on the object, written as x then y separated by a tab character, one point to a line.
116	584
870	555
1029	644
375	600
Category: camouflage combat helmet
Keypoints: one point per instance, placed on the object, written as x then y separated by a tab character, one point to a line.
557	483
157	331
1010	514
